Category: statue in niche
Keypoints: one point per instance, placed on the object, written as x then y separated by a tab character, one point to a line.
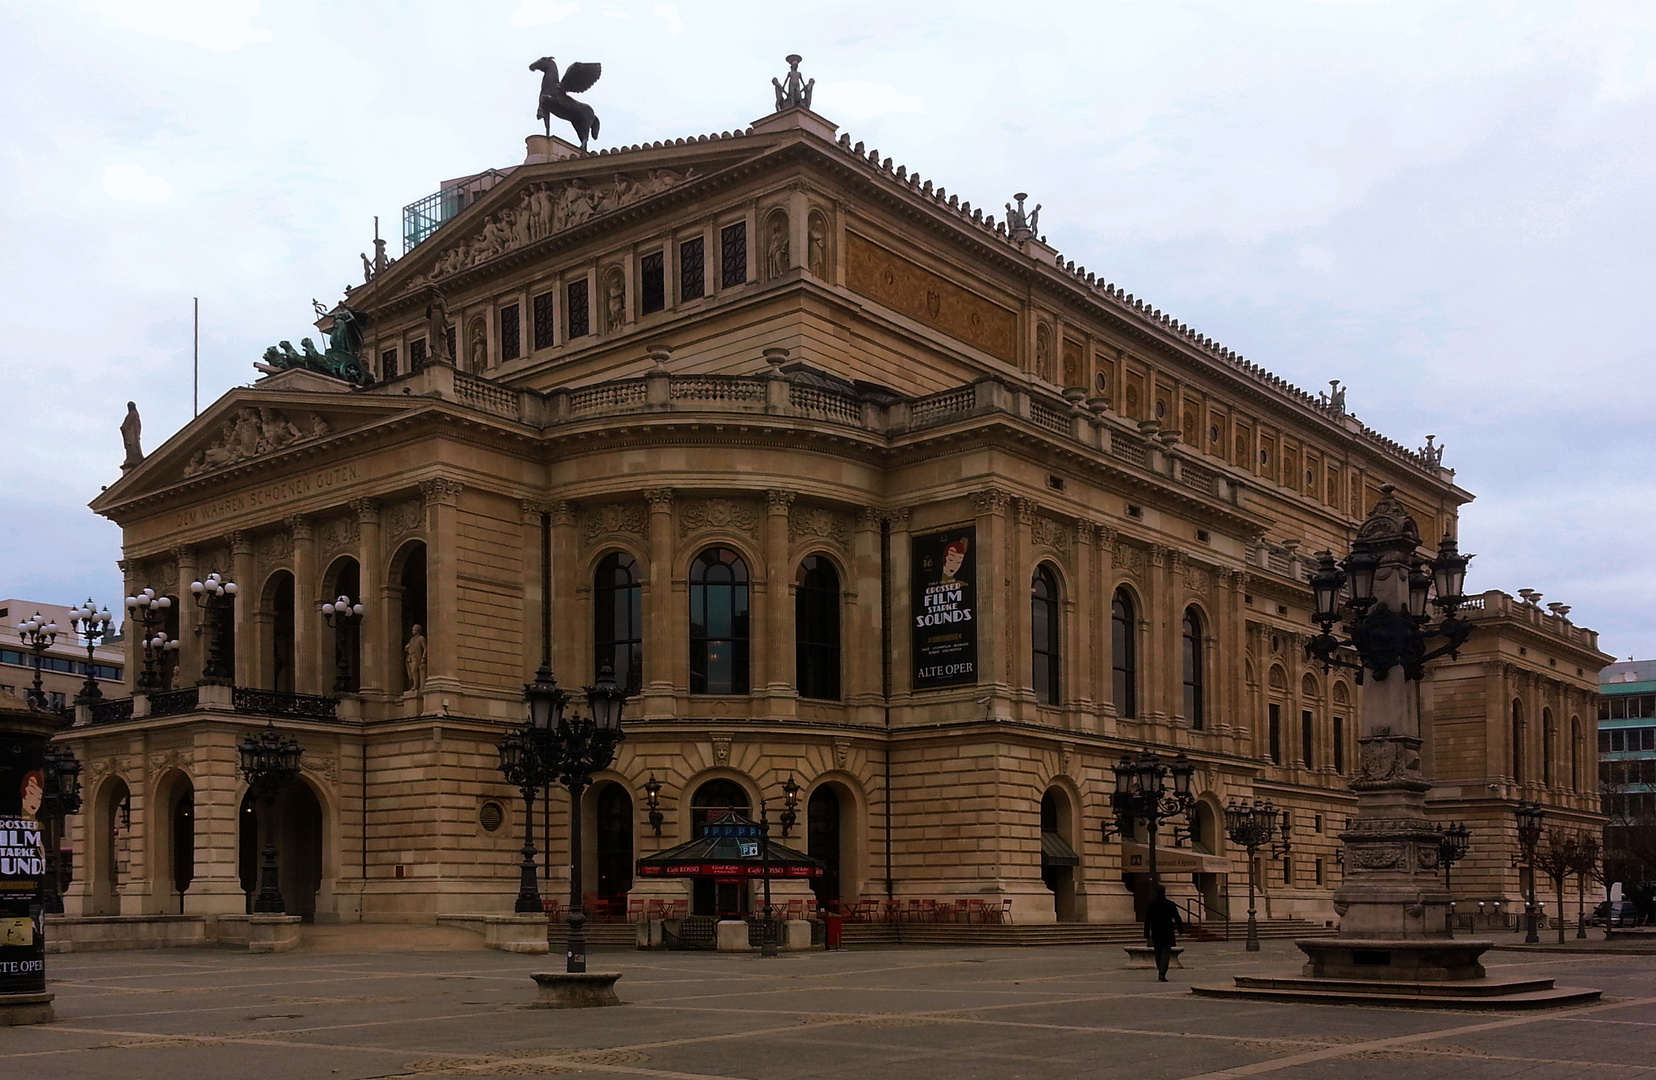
414	658
131	429
776	246
436	313
816	247
479	348
1043	354
615	300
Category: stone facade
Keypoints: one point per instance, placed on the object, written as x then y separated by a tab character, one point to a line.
789	349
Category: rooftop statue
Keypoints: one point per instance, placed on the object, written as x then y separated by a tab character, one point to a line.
795	90
344	329
555	99
131	430
1021	224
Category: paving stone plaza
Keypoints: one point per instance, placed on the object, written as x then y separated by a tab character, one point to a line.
356	1003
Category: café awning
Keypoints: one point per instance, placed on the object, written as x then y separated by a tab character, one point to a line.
1055	852
1135	859
729	847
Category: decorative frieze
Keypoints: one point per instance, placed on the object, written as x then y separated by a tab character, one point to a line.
1046	532
729	514
338	536
253	432
612	519
819	522
404	518
276	547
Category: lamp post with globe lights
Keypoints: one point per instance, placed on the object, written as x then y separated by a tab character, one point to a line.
1253	826
37	633
1142	794
1529	816
150	611
216	597
345	617
93	626
61	797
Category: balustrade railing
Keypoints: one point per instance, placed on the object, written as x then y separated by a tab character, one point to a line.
173	702
246	699
716	388
112	712
940	407
487	396
830	406
1046	416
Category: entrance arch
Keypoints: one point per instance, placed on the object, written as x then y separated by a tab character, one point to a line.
1058	858
275	622
612	848
299	831
173	853
106	825
824	836
718	896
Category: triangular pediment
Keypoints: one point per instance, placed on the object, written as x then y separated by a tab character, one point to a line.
251	429
539	203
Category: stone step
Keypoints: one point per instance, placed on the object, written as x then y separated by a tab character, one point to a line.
866	934
1448	988
1388	997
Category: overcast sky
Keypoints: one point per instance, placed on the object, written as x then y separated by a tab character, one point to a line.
1446	206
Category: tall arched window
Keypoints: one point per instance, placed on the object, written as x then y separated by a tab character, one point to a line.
718	623
1195	701
715	798
1043	635
1124	654
1518	762
817	629
618	619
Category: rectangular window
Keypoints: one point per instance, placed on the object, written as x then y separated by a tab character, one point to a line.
1319	872
1305	739
545	312
692	276
511	345
416	356
652	273
1604	742
388	364
1339	744
1618	741
733	255
1288	870
1275	712
579	313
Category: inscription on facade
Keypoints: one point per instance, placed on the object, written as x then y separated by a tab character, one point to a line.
270	495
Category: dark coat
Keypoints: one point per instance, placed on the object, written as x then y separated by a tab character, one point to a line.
1162	924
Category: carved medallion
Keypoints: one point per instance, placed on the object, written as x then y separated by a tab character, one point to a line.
718	514
613	518
818	521
404	518
1046	532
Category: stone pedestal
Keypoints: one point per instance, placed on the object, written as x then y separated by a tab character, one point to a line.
509	933
1143	956
561	990
19	1009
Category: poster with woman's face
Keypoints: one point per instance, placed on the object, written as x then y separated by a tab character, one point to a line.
22	866
943	603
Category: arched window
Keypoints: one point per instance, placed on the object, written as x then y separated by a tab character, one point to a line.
345	579
618	620
1548	738
817	629
614	854
715	798
1518	763
278	645
718	623
1124	653
1043	635
1195	702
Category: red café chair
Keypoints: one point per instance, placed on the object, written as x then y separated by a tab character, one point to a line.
635	911
681	909
1005	912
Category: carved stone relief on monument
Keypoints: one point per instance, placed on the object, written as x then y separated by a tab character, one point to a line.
404	518
1129	558
252	432
718	514
338	536
816	244
1046	532
611	518
545	209
931	298
275	547
818	521
775	237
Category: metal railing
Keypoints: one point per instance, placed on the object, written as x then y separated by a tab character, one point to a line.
246	699
112	712
173	702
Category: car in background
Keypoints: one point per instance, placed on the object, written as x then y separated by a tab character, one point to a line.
1617	913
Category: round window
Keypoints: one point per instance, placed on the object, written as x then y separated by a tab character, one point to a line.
491	815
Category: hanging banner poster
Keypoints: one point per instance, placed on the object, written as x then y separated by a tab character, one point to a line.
944	605
22	866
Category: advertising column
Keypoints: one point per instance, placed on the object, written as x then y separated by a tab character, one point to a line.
23	997
945	606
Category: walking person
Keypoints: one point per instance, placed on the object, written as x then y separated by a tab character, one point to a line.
1162	927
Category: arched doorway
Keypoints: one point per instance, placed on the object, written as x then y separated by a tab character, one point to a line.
1058	857
110	821
613	836
298	831
344	578
718	896
276	620
1204	831
181	813
822	841
410	576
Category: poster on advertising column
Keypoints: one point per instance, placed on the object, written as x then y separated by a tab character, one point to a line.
22	866
944	605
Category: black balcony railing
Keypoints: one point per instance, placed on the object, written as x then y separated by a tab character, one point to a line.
246	699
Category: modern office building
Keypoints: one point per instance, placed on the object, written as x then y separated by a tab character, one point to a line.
64	665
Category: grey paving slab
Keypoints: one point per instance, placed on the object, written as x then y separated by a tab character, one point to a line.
948	1013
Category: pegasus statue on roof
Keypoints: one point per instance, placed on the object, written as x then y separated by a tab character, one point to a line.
555	99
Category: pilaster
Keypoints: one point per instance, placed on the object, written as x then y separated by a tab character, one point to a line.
995	537
776	651
442	502
190	630
659	647
376	623
242	572
308	662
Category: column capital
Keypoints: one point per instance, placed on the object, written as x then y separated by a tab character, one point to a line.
1024	509
897	515
778	502
241	542
660	500
562	512
440	491
991	500
183	553
1107	535
1158	554
367	511
300	526
534	508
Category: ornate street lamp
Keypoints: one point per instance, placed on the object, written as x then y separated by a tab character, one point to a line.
767	926
1529	816
344	617
1453	844
269	762
790	805
1141	794
93	626
37	633
1253	826
62	797
150	611
216	597
555	747
652	800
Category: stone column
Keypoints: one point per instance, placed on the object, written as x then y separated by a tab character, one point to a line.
442	500
247	601
1178	587
775	651
1103	633
1079	642
994	537
571	634
131	646
309	665
1234	649
1154	669
860	616
190	652
663	644
533	587
1016	585
900	571
377	645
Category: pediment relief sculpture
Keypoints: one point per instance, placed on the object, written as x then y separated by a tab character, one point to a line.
252	432
544	209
